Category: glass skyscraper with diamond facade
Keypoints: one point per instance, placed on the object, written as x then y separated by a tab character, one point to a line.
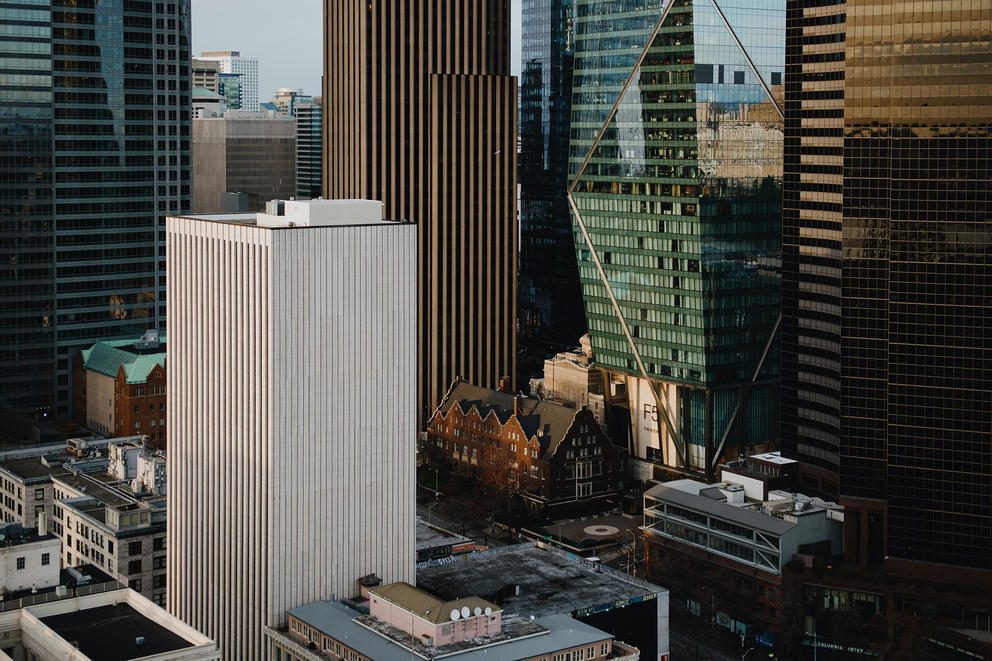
550	300
94	151
676	167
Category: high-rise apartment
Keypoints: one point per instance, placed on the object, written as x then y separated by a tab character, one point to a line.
888	379
94	151
232	62
309	149
550	298
676	166
420	112
283	487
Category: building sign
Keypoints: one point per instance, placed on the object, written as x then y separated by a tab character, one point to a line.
822	644
620	603
646	421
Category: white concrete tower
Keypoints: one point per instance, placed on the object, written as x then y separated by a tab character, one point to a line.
292	412
246	67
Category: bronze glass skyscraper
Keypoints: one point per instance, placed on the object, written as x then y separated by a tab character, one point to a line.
420	112
888	243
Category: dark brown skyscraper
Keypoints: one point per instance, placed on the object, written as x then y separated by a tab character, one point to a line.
887	283
888	271
420	112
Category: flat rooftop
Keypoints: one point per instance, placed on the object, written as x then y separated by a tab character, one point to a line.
109	633
521	638
429	536
549	581
774	458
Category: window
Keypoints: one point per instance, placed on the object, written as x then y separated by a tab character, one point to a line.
46	559
110	546
134	567
158	544
158	562
583	489
159	598
134	548
39	494
158	581
20	563
135	584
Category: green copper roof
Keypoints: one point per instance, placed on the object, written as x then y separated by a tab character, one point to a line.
107	358
203	94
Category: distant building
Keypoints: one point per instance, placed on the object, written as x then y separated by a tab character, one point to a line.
287	99
103	623
405	622
572	376
552	455
231	87
29	558
332	489
535	580
722	548
232	62
253	154
120	387
309	149
207	104
204	74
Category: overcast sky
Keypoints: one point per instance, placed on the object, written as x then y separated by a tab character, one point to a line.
284	36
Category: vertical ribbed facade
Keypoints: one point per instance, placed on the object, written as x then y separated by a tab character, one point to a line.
285	486
386	63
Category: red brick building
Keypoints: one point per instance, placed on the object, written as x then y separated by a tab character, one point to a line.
120	388
552	455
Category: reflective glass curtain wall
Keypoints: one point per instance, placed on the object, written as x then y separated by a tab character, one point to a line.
917	349
27	239
812	226
679	188
550	299
119	157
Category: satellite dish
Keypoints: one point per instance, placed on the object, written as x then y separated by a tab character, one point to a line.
477	611
455	615
489	611
465	611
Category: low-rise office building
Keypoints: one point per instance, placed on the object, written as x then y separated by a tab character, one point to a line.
107	513
722	548
400	621
102	623
534	579
554	456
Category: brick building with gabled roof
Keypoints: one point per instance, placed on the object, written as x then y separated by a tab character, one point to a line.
552	455
119	388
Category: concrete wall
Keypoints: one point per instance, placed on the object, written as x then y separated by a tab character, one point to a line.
34	574
100	393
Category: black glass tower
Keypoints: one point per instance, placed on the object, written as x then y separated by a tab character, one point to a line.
888	272
94	152
550	302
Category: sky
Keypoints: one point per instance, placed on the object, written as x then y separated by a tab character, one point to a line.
286	37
